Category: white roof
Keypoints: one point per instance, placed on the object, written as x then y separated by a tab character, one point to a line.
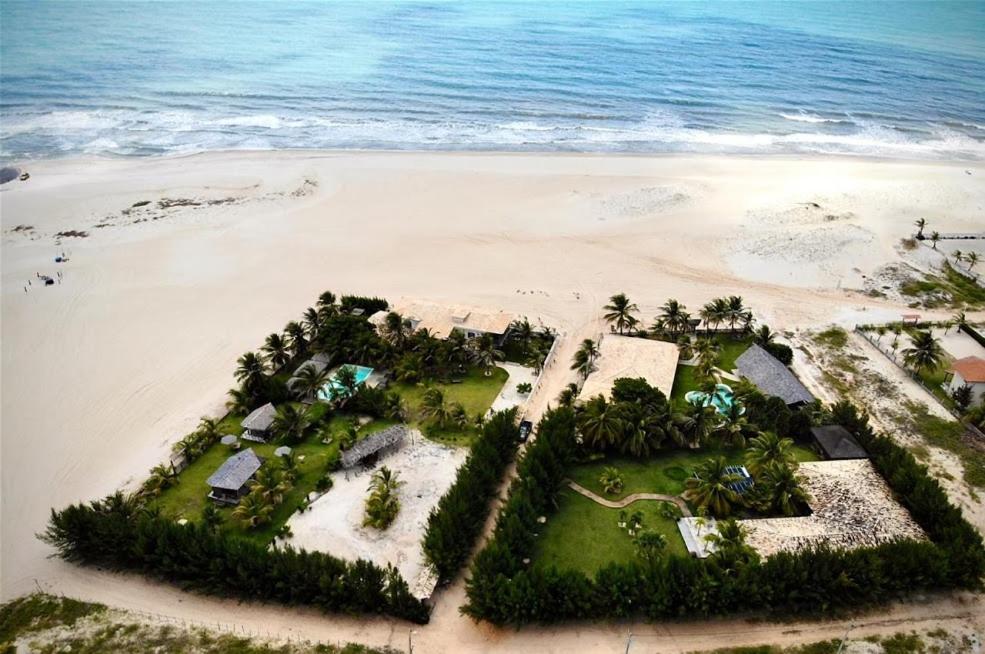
440	320
627	356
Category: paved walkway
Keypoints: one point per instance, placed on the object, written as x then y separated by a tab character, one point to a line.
629	499
508	396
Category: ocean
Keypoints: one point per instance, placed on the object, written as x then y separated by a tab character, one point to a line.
107	77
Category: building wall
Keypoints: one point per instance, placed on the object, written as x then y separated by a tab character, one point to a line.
977	390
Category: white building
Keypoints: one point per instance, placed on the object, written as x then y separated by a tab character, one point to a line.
970	371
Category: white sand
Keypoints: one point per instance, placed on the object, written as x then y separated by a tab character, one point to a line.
102	372
334	522
631	358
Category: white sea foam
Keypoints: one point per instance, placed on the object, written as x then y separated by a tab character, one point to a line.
804	117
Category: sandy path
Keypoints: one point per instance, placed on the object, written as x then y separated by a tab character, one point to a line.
101	373
629	499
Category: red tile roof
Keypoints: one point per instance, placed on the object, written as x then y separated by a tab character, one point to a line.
971	369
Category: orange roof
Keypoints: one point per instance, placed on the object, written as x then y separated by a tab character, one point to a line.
971	369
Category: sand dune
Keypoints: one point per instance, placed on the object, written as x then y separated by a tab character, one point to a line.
102	372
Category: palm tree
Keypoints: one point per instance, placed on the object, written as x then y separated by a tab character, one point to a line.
250	370
962	396
239	401
382	504
396	330
326	299
253	511
650	545
767	450
584	359
590	348
458	416
277	350
208	430
972	259
620	312
674	316
924	353
569	394
599	422
308	380
958	256
706	349
709	488
784	489
696	425
522	332
211	517
737	311
934	237
345	380
735	427
297	337
433	406
764	335
643	433
271	484
161	478
729	539
312	322
290	423
920	223
610	480
715	312
485	353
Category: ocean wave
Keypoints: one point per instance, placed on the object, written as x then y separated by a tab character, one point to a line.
804	117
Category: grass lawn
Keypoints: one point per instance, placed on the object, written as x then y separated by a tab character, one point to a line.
187	498
730	350
585	536
475	392
684	382
663	473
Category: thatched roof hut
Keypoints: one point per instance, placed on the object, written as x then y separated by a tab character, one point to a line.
772	377
389	438
837	443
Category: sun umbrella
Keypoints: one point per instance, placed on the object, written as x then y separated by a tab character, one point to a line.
229	439
283	450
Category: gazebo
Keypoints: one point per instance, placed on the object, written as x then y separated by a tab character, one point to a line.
376	444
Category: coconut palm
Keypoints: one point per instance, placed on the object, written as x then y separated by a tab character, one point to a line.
735	428
394	407
920	223
485	353
161	478
650	545
433	406
583	363
610	480
297	338
714	313
345	380
270	483
522	332
290	423
308	380
958	256
643	432
972	259
277	350
767	450
396	330
934	237
764	335
239	401
710	489
250	370
729	539
620	312
962	396
674	316
458	416
211	517
737	312
253	511
706	350
695	425
924	353
600	423
326	299
784	489
311	321
382	505
569	394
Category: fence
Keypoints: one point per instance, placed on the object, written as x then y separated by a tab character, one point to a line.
548	363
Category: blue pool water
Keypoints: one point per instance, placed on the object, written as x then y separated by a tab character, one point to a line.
722	400
332	388
147	78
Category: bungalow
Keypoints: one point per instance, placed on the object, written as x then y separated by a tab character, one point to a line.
231	481
376	444
318	363
441	321
970	371
835	442
772	377
257	425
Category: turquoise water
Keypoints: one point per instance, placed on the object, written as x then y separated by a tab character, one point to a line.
722	400
333	388
150	78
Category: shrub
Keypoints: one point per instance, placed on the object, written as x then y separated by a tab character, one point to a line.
369	305
524	388
781	352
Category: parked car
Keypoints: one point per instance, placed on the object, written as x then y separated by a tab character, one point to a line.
525	428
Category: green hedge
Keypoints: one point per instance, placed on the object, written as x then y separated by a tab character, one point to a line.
456	522
505	589
120	534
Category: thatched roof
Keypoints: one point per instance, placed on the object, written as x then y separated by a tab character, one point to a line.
771	376
260	419
373	444
838	443
236	471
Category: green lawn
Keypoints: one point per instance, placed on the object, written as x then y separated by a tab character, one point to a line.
475	392
187	498
663	473
684	382
730	350
585	536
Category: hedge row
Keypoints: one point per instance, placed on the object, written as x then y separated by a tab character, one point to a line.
456	522
118	534
506	588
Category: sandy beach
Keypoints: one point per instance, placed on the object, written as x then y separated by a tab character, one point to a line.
189	262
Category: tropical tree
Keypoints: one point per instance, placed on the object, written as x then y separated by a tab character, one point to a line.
784	489
239	401
600	423
297	337
650	545
764	335
270	483
972	259
457	415
253	510
485	353
611	480
290	423
695	425
735	428
767	450
583	362
433	406
311	321
729	539
934	237
920	223
326	299
619	313
211	517
161	478
706	350
714	313
345	380
250	370
277	350
522	332
710	487
737	312
397	330
958	256
674	316
643	431
569	394
308	380
382	505
962	396
925	352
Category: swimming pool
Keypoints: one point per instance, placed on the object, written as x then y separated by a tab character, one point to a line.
333	388
721	400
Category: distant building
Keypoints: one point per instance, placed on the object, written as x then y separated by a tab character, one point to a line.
772	377
231	481
441	321
835	442
970	371
257	425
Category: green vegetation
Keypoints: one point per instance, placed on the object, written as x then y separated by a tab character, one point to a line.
833	337
951	289
685	381
947	435
585	536
899	643
93	629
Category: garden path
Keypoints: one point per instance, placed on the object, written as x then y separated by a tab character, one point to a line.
629	499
